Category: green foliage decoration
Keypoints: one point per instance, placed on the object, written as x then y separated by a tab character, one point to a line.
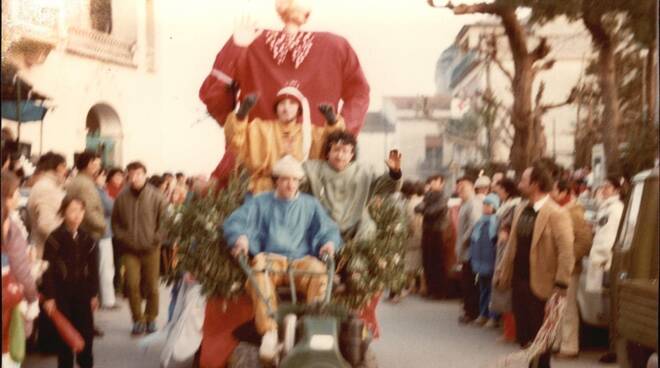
370	266
196	229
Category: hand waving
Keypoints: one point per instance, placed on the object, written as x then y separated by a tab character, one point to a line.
245	32
393	162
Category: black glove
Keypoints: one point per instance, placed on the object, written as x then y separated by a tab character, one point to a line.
246	105
328	112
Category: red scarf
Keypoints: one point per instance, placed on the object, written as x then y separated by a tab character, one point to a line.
113	191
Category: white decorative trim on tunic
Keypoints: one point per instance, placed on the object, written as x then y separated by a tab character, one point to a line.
219	75
281	43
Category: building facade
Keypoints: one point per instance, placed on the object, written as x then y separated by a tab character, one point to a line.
420	127
109	79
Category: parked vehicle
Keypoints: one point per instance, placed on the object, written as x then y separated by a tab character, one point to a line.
634	275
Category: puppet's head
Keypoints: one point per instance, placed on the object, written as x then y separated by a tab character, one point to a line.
294	11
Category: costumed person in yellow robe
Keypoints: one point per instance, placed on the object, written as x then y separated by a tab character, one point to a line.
260	143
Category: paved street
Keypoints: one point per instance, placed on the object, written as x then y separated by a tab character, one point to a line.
419	333
415	333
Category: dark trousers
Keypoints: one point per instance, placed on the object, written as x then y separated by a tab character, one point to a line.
79	312
469	291
434	270
485	288
528	311
116	255
142	278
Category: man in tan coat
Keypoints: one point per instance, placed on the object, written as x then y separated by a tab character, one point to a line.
569	339
83	186
539	258
45	199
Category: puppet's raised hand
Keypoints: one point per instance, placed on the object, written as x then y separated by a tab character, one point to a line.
246	31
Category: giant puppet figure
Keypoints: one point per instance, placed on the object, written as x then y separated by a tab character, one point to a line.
324	68
321	65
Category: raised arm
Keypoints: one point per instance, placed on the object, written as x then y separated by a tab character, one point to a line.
390	181
236	125
218	92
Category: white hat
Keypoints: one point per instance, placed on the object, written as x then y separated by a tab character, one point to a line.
306	115
482	182
288	166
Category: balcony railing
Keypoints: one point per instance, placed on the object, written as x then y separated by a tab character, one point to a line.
100	46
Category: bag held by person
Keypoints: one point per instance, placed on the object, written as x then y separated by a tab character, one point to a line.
69	334
17	336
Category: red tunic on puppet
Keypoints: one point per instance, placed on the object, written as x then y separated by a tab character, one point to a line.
323	66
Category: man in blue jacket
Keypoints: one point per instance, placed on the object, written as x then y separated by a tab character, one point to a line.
279	228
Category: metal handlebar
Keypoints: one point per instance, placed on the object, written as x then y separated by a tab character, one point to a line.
327	259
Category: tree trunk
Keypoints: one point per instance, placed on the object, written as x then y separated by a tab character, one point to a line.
651	85
611	113
611	117
526	147
526	144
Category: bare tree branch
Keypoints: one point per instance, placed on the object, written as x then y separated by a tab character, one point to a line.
501	67
485	8
541	50
539	97
545	66
569	100
491	52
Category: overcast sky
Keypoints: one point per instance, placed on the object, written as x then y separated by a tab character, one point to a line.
398	41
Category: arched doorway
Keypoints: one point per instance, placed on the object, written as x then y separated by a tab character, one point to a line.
104	134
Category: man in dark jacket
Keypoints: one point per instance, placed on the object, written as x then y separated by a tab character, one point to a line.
434	209
137	223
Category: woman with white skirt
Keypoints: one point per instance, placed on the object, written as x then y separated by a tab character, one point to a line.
106	259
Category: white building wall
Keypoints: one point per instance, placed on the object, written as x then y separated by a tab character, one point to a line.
163	122
412	137
372	148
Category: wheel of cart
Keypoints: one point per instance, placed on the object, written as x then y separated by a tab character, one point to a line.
321	335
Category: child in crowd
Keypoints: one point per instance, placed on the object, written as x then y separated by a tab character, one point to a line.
71	283
482	258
